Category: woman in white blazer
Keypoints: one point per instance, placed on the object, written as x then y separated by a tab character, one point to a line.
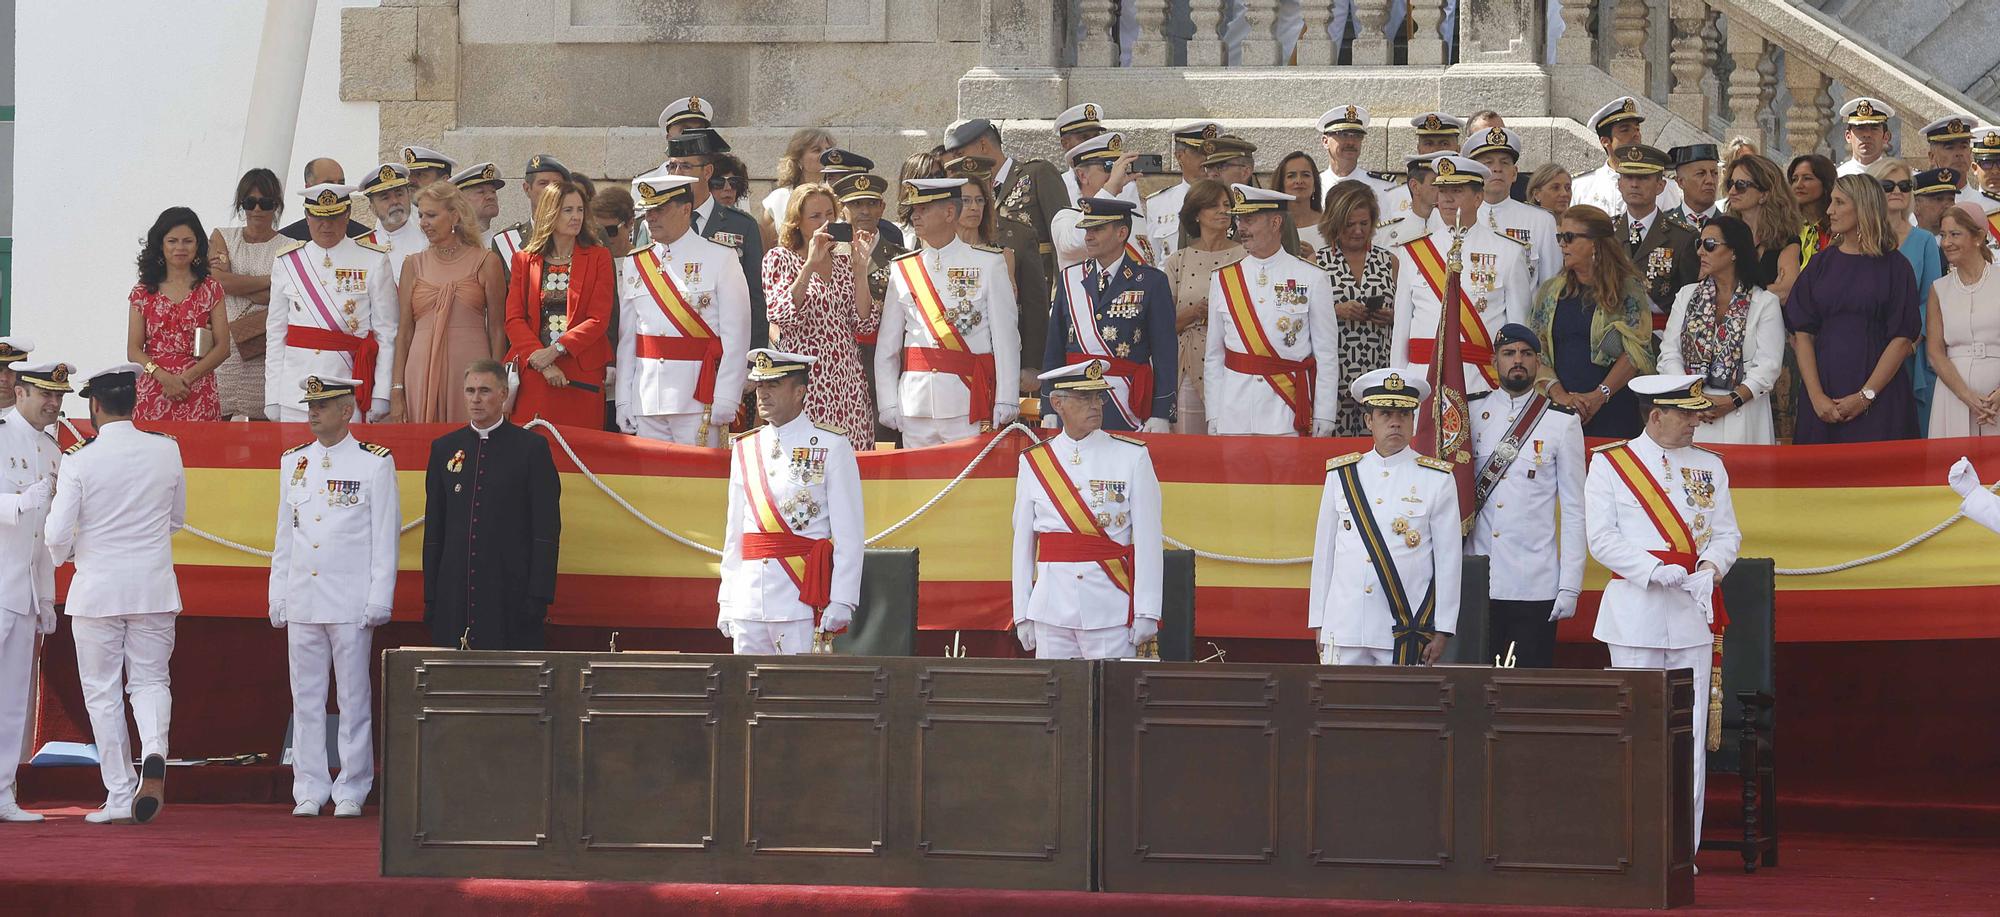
1727	328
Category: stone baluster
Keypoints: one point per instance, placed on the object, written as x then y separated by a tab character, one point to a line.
1315	48
1689	61
1767	93
1099	45
1371	47
1426	46
1806	119
1746	93
1204	48
1260	44
1578	44
1149	49
1712	87
1630	66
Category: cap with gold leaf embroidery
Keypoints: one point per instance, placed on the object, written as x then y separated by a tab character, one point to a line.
1104	148
15	349
479	173
1862	110
926	190
661	187
323	388
1344	119
52	377
1085	117
1623	108
1437	124
1087	376
1399	388
1498	139
692	108
1950	128
1681	391
327	199
767	364
1245	199
1217	150
420	157
386	177
1458	170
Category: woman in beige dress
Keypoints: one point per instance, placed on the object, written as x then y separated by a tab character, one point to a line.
1205	222
240	257
1964	323
454	297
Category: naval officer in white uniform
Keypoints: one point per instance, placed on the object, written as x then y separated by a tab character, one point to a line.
1272	361
1163	207
1494	277
27	575
389	191
333	309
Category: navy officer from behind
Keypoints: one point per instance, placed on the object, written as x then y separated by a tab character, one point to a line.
1087	536
1386	564
333	574
1119	310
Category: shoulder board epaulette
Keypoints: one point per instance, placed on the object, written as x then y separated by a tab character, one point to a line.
1561	408
1044	444
830	428
750	432
290	247
1383	224
724	242
907	254
1989	195
374	448
995	249
1699	448
1342	461
158	433
1434	464
296	448
364	243
1127	439
1389	176
1475	396
78	445
636	249
1160	192
1607	447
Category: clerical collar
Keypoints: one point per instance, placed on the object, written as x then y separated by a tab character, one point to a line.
483	433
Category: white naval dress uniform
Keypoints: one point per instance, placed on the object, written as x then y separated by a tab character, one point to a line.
400	244
1661	627
658	394
119	499
1398	210
1163	219
1294	305
1347	607
1076	610
27	579
1495	278
1129	193
349	289
978	296
1531	526
1599	188
333	576
816	485
1537	228
1067	237
1381	186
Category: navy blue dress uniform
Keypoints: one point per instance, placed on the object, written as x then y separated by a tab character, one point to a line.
726	225
492	518
1122	313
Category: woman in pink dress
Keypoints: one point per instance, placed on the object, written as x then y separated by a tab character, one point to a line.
451	295
173	300
816	309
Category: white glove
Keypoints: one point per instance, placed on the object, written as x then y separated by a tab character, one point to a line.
278	616
375	616
836	617
45	619
1700	585
1005	412
723	415
38	494
728	630
378	408
1024	631
1565	606
1144	629
1051	422
625	421
1322	428
1667	575
1156	425
1214	428
271	412
887	416
1964	480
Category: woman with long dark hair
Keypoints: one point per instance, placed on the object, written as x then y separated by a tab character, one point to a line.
173	301
559	305
1298	175
1853	317
1811	178
1727	328
1596	326
240	259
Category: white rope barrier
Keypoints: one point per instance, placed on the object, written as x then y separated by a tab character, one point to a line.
966	472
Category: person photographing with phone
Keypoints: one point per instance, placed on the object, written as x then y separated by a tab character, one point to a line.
1103	168
818	308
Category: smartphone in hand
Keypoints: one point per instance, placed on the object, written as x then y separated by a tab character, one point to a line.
841	231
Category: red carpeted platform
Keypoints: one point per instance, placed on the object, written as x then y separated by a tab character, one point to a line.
238	859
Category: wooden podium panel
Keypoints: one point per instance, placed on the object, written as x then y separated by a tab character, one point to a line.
755	769
1450	784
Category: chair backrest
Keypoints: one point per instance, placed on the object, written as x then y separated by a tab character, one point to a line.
1177	606
1469	645
885	624
1749	648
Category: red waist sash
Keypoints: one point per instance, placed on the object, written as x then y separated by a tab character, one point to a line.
708	351
817	588
974	369
1302	373
1072	548
363	347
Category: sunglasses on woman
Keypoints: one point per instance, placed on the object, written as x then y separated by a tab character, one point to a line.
1891	187
1565	238
1709	245
741	184
1741	185
258	203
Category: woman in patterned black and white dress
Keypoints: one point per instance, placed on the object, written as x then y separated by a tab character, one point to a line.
1364	282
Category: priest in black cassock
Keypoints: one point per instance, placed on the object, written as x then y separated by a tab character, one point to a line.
492	519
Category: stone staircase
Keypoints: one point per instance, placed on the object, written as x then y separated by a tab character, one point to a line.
1951	39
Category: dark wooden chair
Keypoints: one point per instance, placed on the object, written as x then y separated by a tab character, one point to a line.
1749	720
885	623
1472	644
1177	606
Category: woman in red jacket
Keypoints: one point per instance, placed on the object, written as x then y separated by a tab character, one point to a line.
559	299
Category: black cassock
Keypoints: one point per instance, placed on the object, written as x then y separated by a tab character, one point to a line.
492	520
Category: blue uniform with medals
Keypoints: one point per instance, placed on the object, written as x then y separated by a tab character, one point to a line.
1131	322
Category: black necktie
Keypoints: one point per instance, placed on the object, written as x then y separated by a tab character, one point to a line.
694	222
1638	235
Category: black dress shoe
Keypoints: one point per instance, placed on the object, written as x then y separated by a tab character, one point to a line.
152	789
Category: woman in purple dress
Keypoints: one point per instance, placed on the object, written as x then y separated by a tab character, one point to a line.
1853	318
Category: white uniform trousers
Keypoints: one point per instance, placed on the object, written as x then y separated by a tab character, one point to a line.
119	655
919	432
1700	659
346	651
17	691
684	429
772	638
1053	642
1330	654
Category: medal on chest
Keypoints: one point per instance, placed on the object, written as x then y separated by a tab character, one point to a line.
343	493
1699	485
457	462
299	472
1482	269
962	283
691	273
1401	526
800	509
808	465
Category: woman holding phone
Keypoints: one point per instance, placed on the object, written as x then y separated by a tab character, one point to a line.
1364	278
817	309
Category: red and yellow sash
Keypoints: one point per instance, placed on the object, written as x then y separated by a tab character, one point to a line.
1070	505
1139	250
951	355
697	341
924	293
1993	225
809	561
1291	379
1476	344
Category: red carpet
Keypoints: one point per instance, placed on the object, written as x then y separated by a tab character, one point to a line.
259	860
